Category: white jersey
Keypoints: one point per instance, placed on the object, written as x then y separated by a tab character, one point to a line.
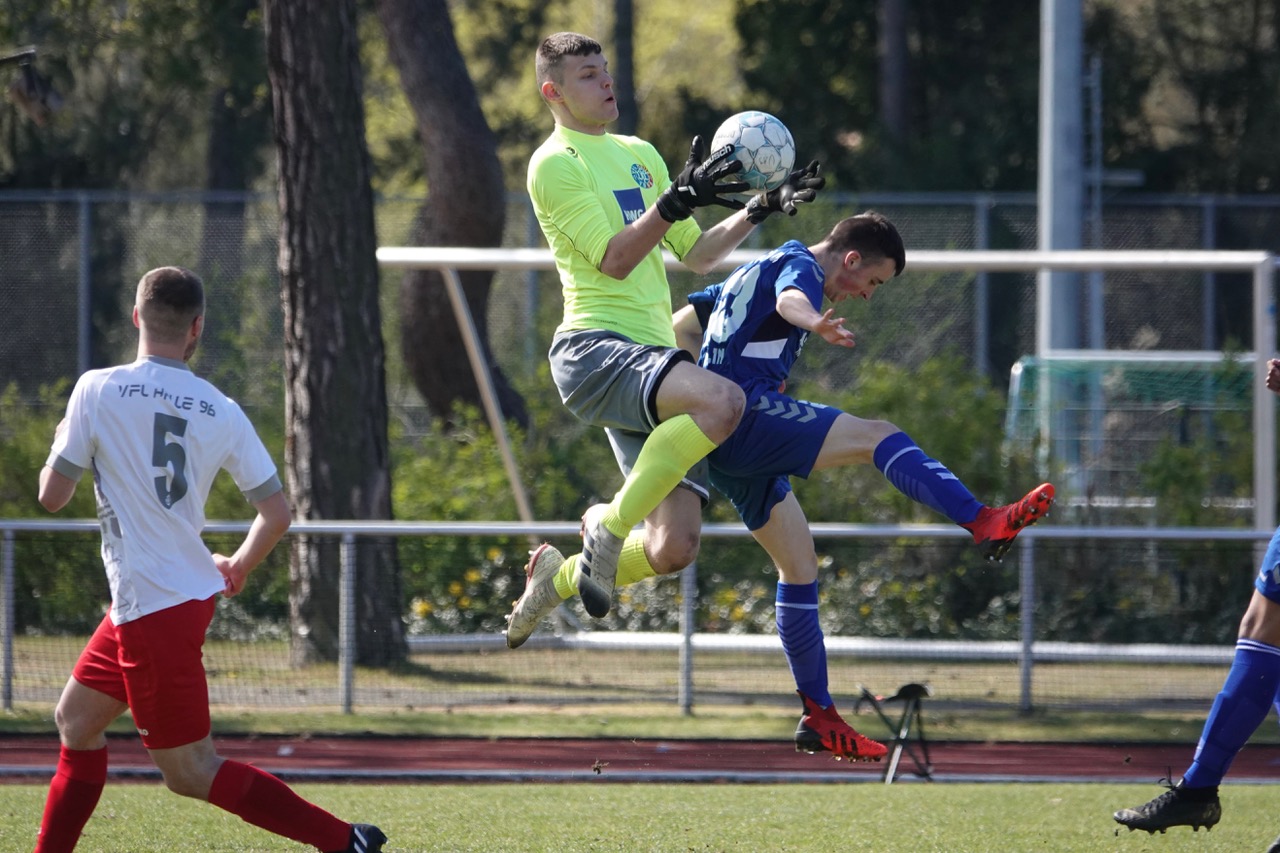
155	436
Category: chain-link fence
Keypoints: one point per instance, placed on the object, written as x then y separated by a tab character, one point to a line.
73	258
71	261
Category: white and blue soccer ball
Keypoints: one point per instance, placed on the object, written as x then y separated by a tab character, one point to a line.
763	144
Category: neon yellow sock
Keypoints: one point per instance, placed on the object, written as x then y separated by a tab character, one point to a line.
633	565
668	454
564	578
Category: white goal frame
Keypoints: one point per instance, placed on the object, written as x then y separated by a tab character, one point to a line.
1262	266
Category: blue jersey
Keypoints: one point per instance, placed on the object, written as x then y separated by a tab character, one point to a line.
748	342
745	338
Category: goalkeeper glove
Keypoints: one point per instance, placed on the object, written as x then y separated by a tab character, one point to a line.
800	187
697	185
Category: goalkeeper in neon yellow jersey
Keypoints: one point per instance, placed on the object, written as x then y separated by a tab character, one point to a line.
607	206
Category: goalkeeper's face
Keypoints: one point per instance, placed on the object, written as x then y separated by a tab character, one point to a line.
583	97
858	277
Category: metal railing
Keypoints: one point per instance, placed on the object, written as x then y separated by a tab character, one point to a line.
1027	652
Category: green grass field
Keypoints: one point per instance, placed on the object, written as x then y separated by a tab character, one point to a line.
905	818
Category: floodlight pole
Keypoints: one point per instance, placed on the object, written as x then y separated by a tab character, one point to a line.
1264	404
1059	204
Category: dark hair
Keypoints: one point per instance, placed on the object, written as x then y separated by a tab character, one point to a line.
168	299
872	236
555	48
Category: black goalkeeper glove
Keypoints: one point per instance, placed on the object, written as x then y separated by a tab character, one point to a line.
800	187
697	185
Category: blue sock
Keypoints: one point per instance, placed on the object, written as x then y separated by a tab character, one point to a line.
924	480
1240	708
797	618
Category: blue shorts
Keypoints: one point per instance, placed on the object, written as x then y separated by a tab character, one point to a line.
1268	580
779	437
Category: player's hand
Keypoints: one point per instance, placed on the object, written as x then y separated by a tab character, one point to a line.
800	187
832	329
1273	375
699	183
233	576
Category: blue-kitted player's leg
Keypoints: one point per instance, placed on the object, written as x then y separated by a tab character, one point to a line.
1247	695
913	472
771	512
780	435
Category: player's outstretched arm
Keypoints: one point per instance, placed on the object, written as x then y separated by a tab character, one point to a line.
274	517
794	307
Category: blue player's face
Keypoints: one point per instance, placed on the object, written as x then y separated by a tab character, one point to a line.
858	278
586	94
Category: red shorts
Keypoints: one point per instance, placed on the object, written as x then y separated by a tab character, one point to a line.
155	665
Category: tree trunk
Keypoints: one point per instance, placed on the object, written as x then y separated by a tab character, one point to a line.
893	68
239	124
624	28
222	237
465	206
336	446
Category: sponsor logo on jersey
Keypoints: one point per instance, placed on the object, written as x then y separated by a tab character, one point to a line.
631	203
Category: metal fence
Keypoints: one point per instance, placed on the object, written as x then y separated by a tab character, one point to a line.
71	259
680	667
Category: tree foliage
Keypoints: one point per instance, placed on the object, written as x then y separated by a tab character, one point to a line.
137	80
465	206
1189	96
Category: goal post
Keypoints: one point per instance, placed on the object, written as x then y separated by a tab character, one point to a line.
1261	266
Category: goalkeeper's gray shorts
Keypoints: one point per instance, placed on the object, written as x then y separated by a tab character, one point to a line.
607	380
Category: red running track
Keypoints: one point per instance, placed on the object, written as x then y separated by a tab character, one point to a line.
25	758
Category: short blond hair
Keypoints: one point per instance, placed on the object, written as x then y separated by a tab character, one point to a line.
168	300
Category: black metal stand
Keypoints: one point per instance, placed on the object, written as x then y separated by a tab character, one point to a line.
908	733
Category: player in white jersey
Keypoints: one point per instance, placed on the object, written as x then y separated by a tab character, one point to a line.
154	436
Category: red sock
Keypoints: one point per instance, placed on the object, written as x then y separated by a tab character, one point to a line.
261	799
73	795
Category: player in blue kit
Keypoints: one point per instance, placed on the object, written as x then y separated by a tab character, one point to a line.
1251	688
756	322
750	329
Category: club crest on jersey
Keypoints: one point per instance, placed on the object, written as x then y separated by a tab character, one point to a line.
631	203
642	176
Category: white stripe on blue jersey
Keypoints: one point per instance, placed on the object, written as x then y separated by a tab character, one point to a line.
745	339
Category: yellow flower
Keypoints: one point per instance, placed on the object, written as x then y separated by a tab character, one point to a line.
472	576
455	589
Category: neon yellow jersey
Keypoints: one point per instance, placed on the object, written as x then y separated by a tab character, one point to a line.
585	189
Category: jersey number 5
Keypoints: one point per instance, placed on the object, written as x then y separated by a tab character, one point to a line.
170	488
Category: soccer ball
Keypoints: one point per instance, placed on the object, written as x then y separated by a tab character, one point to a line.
763	144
